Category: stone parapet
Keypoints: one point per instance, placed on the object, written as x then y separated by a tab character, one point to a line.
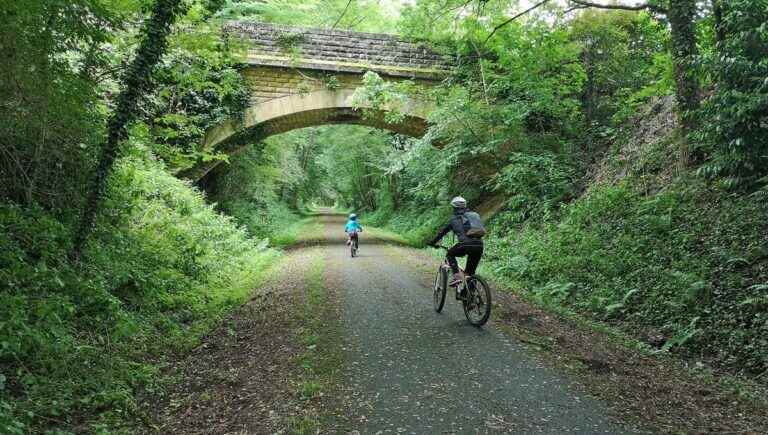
337	51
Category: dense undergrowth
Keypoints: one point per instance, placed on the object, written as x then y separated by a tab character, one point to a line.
78	341
688	263
261	190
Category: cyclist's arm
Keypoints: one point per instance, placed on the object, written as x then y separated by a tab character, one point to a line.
443	231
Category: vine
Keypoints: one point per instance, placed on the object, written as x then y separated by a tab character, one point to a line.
136	85
290	43
377	95
681	16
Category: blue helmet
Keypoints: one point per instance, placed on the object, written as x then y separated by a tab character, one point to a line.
353	216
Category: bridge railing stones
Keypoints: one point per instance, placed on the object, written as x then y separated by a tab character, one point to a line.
337	51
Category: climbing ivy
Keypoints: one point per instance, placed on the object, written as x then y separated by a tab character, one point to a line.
681	15
135	86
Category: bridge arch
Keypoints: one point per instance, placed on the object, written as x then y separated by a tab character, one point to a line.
293	112
290	84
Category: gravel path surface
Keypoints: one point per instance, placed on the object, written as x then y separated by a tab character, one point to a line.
411	370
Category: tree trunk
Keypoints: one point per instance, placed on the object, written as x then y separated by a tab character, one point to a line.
135	86
681	16
717	12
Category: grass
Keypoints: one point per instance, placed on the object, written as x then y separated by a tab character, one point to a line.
388	236
304	231
321	360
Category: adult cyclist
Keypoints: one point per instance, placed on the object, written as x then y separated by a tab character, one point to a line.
352	228
471	247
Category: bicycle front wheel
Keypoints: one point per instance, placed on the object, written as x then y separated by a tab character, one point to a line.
438	291
477	305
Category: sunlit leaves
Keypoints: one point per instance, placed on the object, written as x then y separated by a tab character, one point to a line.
359	15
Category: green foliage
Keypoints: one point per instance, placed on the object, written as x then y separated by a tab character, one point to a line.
49	118
625	60
77	341
738	137
135	86
290	41
377	95
532	185
671	260
360	15
197	86
252	191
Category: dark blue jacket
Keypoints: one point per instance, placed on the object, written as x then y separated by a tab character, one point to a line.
456	224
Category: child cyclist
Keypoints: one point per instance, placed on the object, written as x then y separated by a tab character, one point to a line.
352	228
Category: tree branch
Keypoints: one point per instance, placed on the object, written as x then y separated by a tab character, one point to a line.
514	18
575	8
640	7
342	15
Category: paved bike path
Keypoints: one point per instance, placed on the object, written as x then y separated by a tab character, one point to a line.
411	370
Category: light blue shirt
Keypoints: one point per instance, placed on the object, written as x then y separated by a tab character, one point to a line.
352	227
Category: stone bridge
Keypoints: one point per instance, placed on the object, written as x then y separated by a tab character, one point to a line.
306	77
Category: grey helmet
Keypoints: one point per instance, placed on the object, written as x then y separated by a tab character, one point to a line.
459	202
353	216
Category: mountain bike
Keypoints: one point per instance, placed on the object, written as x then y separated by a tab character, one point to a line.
476	298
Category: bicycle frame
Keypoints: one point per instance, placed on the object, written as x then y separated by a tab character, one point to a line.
464	276
468	287
354	240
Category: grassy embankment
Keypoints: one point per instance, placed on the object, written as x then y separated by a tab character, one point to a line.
79	340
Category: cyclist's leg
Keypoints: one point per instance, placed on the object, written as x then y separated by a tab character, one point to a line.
456	251
474	254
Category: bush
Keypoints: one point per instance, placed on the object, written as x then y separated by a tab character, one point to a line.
76	342
688	261
734	127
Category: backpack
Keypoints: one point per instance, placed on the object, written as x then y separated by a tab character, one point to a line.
473	225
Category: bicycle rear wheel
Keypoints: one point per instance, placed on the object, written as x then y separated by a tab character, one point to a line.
477	305
438	291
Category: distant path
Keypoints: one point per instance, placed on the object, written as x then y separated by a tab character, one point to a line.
411	370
